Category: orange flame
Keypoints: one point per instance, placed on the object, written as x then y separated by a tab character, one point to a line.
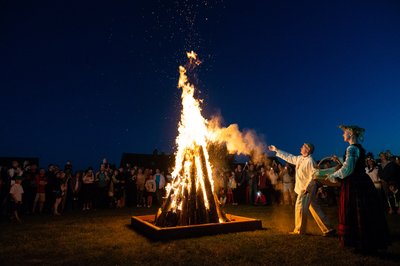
192	133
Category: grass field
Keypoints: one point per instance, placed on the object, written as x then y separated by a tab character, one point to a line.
104	237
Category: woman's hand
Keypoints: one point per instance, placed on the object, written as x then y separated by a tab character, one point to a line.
336	159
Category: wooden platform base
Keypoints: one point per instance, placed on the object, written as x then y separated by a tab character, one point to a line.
145	225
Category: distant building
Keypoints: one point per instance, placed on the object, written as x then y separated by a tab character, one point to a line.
155	160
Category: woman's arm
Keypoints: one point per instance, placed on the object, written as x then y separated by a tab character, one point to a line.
352	154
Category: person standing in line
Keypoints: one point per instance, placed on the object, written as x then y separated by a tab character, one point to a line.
362	221
305	187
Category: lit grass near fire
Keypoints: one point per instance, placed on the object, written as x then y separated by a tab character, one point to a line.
105	238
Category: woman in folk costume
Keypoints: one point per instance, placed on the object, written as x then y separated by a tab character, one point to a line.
362	221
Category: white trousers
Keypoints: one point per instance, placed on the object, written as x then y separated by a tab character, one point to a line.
307	202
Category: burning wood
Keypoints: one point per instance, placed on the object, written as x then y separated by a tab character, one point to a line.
189	204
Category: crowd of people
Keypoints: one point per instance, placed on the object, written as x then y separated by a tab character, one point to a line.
27	189
257	184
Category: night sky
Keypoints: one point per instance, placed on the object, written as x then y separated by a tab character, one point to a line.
84	80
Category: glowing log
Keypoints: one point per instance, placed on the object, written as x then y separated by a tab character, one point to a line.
192	195
191	200
212	212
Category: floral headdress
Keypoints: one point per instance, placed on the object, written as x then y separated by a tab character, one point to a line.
356	130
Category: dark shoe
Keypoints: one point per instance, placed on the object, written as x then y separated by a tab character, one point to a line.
331	232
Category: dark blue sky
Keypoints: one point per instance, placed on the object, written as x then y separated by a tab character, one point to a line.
83	80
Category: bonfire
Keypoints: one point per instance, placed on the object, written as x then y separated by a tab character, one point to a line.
191	197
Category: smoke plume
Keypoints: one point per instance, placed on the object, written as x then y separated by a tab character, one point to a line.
238	142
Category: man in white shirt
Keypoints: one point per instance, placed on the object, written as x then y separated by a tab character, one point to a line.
305	188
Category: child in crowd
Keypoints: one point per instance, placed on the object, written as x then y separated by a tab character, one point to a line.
222	197
16	192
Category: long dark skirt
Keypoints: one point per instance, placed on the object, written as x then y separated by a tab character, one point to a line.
362	221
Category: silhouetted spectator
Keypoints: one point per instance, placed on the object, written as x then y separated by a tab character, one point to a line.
241	184
393	199
252	185
140	182
51	179
40	197
285	173
160	184
16	192
389	171
131	186
88	189
231	189
150	186
29	185
119	187
102	184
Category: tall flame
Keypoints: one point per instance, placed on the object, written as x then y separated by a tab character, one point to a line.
192	127
192	176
